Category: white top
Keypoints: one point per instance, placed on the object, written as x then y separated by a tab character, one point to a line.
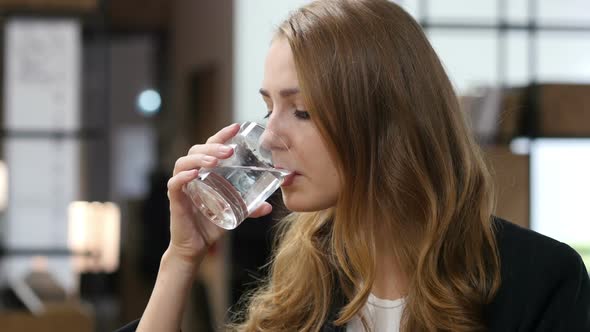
381	315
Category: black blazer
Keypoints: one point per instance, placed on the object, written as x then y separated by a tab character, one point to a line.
545	286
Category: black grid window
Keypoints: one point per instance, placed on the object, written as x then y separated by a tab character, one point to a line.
531	40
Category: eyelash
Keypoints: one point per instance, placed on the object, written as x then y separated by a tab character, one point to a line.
303	115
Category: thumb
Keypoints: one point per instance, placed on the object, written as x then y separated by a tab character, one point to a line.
264	209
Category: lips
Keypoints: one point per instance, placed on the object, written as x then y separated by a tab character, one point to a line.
289	179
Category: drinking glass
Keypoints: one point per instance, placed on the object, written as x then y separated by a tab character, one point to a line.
229	192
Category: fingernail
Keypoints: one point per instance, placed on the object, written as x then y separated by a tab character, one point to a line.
209	159
224	149
268	209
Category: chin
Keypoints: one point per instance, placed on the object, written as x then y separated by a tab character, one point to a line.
300	202
295	205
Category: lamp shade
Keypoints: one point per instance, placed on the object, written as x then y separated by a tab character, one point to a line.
3	186
94	232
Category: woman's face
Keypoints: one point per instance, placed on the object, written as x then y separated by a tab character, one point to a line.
315	185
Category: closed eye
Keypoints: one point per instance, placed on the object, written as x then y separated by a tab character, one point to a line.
302	115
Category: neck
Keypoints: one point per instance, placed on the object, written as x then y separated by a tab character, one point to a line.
390	283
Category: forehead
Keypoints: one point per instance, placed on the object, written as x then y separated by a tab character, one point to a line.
279	67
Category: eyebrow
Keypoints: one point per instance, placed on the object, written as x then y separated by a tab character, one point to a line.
283	93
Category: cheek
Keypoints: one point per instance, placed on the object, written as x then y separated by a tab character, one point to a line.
317	190
325	174
327	182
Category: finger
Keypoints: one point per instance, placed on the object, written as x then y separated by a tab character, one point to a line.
176	182
216	149
264	209
224	134
194	161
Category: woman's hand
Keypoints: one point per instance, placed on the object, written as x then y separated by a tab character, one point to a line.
190	232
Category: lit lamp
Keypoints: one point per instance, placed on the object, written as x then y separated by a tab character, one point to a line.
3	186
94	233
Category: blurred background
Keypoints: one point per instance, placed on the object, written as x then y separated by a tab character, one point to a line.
99	98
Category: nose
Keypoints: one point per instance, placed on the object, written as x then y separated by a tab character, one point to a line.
274	137
272	141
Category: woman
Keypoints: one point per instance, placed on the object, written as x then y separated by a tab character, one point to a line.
392	226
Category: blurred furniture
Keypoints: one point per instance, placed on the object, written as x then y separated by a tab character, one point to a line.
47	5
57	318
511	178
561	110
545	110
524	117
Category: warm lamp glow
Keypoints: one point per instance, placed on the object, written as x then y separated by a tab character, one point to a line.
3	186
94	228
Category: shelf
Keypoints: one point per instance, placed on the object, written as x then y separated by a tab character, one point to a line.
53	134
503	26
55	252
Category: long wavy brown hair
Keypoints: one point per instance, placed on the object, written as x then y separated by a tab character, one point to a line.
414	182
